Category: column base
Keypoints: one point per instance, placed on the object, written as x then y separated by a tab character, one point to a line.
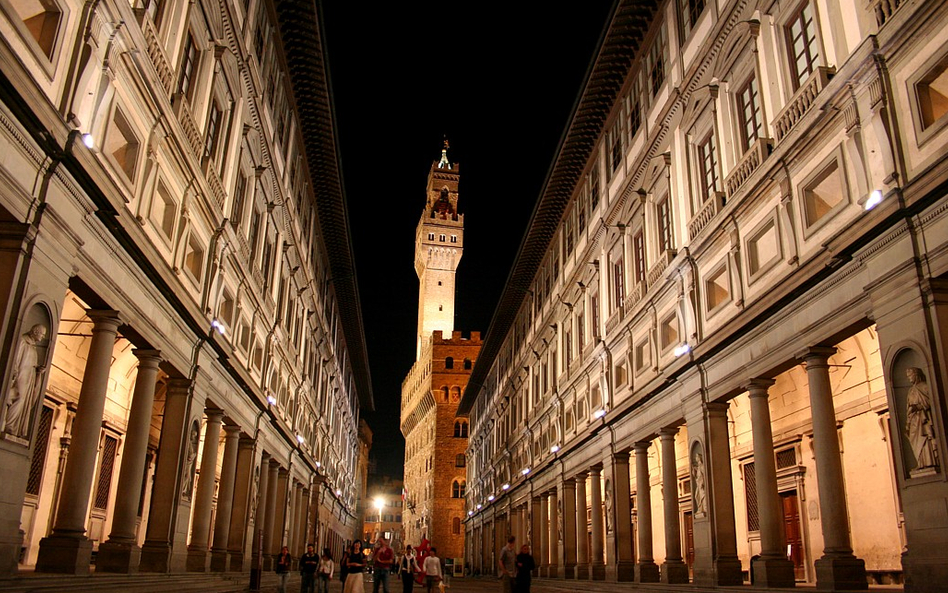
675	573
772	572
598	572
845	573
647	572
198	560
118	557
64	555
582	572
220	560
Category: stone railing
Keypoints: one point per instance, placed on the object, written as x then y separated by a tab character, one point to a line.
709	210
655	272
183	111
747	165
884	10
800	103
157	55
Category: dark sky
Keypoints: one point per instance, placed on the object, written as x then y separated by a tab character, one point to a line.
500	81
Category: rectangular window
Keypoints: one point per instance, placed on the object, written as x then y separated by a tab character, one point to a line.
663	209
638	257
690	11
748	111
801	38
708	167
188	67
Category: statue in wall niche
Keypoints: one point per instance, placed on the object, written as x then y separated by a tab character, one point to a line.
608	502
699	485
918	421
190	465
24	383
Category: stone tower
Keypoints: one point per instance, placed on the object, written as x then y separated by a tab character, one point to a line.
439	243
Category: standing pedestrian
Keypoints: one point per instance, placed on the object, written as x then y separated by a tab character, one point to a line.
525	566
309	562
283	568
432	568
324	572
384	558
508	566
356	566
407	567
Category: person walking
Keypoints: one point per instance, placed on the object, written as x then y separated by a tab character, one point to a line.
384	558
432	568
283	562
324	571
507	562
355	565
407	567
309	562
525	566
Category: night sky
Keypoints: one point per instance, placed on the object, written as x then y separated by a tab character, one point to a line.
500	82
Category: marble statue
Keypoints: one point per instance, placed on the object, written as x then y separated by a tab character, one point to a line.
24	383
918	421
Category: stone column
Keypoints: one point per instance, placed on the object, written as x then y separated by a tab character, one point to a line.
582	537
165	547
198	556
567	523
773	568
674	569
121	552
646	571
270	524
622	517
838	568
241	515
225	499
597	564
67	549
544	527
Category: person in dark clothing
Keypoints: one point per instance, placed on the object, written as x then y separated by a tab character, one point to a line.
283	562
309	562
525	566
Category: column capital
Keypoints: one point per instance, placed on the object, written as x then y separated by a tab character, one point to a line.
816	356
147	357
668	433
757	387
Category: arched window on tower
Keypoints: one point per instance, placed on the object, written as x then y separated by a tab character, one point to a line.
449	363
457	489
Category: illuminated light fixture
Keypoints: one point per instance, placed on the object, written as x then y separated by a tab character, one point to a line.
599	413
338	492
683	349
379	503
874	199
525	471
88	140
271	400
300	439
469	513
490	498
554	449
505	487
479	506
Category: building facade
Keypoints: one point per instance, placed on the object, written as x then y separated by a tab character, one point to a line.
435	440
722	347
183	369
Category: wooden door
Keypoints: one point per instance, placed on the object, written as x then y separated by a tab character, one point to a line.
791	517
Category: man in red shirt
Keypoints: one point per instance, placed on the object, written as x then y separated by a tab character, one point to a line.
384	558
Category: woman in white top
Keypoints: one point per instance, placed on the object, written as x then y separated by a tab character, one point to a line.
432	568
